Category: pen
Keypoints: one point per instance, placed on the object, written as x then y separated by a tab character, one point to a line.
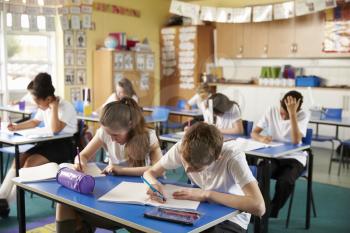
78	152
153	189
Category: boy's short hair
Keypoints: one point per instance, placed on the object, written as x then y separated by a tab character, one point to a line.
295	94
201	145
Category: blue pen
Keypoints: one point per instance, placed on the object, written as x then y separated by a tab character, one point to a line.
153	189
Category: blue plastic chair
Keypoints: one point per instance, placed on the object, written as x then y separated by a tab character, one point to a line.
248	127
341	159
162	114
181	103
306	140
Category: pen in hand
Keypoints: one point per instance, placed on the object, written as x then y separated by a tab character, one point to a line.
159	194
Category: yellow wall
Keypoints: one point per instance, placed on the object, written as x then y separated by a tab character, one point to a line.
233	3
154	14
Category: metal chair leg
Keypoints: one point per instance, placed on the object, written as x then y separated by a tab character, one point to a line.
331	160
340	159
313	204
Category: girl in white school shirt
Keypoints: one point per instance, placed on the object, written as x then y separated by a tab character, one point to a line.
58	116
287	123
200	100
132	149
123	88
227	113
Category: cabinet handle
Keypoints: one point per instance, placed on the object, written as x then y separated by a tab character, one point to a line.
266	48
240	50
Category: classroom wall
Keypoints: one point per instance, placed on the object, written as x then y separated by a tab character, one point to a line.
154	14
230	3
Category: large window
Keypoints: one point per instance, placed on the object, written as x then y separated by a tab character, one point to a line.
26	54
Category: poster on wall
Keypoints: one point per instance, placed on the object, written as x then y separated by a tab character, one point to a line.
69	77
242	15
75	22
283	10
224	15
68	57
80	39
128	62
75	94
303	7
118	61
144	81
50	24
185	9
337	39
150	62
80	77
208	14
68	39
80	57
262	13
140	61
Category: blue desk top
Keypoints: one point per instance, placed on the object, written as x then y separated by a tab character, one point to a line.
345	121
176	110
269	152
130	215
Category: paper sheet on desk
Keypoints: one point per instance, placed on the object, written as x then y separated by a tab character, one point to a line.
244	144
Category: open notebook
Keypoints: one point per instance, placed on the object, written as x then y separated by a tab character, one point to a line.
250	144
135	193
38	132
49	170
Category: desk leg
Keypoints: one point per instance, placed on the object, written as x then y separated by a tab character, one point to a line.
316	129
337	132
21	215
309	189
261	224
1	165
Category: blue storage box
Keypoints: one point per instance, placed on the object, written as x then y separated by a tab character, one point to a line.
307	81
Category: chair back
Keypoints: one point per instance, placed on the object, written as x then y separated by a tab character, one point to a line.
248	127
161	113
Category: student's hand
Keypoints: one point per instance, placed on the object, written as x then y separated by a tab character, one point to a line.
194	194
186	128
12	127
54	103
292	104
154	196
111	169
83	163
266	139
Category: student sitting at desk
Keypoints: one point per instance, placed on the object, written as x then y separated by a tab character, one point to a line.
288	123
123	88
58	115
132	149
227	113
221	172
200	101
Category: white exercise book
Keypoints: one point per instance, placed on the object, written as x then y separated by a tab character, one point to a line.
49	170
135	193
37	132
244	144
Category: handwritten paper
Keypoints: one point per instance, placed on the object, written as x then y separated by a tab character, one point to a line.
262	13
242	15
283	10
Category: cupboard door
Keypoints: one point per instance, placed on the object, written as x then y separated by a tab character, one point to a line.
281	38
229	40
256	40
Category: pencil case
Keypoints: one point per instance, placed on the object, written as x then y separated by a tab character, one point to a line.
76	181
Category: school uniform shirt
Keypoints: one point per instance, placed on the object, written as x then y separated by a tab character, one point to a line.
280	129
113	97
229	174
66	114
28	99
201	105
115	150
227	120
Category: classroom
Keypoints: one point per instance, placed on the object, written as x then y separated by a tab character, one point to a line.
174	116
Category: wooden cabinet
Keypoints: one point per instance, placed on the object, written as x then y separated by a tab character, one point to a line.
232	44
299	37
193	46
282	39
110	66
256	40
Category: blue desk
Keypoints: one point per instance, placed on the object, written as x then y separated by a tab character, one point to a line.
176	137
15	109
176	111
96	119
127	215
344	122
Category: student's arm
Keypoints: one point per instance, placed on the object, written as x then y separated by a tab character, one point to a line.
252	202
155	155
86	154
56	124
292	108
256	135
237	128
32	123
151	176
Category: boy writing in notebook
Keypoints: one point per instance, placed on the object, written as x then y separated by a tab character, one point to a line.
221	173
287	123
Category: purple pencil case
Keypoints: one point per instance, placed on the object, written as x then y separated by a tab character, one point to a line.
76	181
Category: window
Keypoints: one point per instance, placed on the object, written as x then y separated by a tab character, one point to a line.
25	55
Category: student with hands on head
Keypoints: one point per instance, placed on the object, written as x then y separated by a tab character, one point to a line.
287	123
221	173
